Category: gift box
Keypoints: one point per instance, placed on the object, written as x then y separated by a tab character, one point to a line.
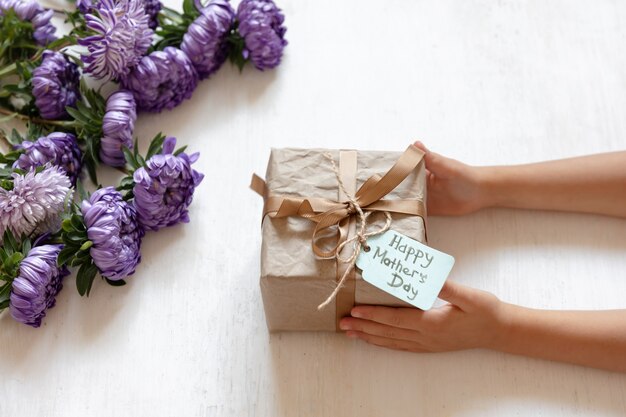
307	213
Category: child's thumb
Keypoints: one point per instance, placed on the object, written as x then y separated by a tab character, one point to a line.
435	163
456	294
421	146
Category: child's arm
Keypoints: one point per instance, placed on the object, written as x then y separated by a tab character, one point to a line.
477	319
590	184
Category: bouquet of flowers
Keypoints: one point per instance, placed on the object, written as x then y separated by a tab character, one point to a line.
154	58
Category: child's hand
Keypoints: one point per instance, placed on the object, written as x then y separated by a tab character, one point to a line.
473	319
453	187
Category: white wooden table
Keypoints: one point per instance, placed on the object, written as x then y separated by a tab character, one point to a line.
482	81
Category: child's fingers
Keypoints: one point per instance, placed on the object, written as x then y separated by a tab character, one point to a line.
377	329
386	342
404	318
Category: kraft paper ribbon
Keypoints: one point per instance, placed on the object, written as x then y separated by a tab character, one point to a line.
341	214
346	178
345	292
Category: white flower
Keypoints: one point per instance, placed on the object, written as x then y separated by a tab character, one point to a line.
36	201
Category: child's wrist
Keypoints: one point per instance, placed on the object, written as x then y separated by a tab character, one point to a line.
503	328
489	189
515	325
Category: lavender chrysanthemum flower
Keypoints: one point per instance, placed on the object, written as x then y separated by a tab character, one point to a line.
118	125
205	40
31	11
58	148
35	288
164	188
162	80
261	26
55	85
36	201
112	227
121	38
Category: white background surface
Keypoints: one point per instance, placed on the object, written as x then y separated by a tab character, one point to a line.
483	81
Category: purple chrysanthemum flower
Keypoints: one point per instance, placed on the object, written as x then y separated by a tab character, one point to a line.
205	40
162	80
58	148
36	201
152	7
35	288
122	37
261	26
31	11
112	227
164	188
84	6
118	125
55	85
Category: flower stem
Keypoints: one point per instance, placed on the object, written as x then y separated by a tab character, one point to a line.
123	170
172	15
38	120
5	141
8	70
8	112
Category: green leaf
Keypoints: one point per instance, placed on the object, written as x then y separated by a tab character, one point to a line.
84	278
5	291
91	163
115	283
80	188
81	257
156	146
10	157
77	222
26	246
140	161
189	8
126	183
180	150
127	195
236	45
136	147
17	42
76	235
12	263
130	158
66	254
15	137
77	115
66	225
10	242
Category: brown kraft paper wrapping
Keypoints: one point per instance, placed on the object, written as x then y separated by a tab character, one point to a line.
293	281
